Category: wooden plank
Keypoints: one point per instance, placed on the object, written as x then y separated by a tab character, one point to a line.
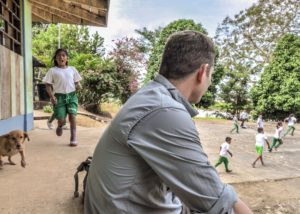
53	16
37	18
102	11
5	84
1	78
95	3
22	79
13	84
72	10
18	89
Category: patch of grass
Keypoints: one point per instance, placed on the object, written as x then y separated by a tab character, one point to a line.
209	119
48	109
112	108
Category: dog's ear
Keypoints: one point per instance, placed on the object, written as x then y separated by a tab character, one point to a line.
7	145
6	136
26	136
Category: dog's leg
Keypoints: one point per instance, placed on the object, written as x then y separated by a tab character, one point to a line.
10	161
23	163
1	163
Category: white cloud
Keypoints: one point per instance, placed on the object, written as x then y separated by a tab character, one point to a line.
118	28
118	24
236	5
122	23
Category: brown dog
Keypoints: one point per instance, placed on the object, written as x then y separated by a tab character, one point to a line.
11	144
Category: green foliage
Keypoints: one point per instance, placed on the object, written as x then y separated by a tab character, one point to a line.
277	94
149	38
250	37
157	50
227	107
76	39
47	109
234	89
247	41
100	80
2	23
209	97
130	60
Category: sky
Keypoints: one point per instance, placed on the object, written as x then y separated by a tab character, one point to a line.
125	16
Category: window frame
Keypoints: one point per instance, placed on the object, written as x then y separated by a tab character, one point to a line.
10	25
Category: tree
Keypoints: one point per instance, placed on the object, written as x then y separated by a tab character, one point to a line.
247	41
76	39
130	62
277	93
100	80
250	37
149	38
234	90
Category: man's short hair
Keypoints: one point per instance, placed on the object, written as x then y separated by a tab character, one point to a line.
184	53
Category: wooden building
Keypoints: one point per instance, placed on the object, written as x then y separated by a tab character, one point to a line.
16	17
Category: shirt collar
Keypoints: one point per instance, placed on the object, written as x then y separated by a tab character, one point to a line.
176	95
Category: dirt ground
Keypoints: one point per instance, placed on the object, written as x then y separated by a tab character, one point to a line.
270	189
46	185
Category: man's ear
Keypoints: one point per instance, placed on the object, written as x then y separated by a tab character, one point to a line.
203	70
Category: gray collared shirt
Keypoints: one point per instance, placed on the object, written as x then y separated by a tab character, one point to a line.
150	160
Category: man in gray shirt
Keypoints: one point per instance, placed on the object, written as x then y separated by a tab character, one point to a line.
150	159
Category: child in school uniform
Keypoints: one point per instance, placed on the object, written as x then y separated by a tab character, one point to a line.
235	125
260	121
261	139
277	138
244	117
224	151
291	120
62	82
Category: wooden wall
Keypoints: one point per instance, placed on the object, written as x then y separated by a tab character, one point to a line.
11	84
16	102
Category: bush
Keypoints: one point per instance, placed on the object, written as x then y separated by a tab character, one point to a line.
48	109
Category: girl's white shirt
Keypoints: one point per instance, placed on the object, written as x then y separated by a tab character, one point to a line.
62	79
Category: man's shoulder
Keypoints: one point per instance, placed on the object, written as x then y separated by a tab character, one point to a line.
157	94
150	98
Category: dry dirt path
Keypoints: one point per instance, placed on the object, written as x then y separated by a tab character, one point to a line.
46	185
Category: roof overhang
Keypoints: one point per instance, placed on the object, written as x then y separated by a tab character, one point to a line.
78	12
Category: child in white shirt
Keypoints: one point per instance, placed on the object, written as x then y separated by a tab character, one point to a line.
261	139
62	82
235	125
291	124
224	150
277	137
260	122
